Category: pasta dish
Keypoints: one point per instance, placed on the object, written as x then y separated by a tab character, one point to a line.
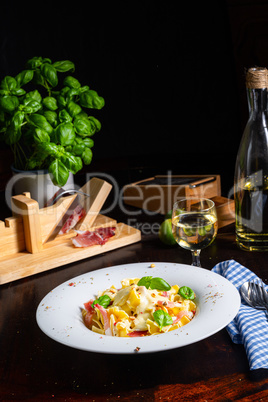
141	307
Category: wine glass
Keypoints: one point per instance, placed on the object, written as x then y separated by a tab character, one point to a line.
194	225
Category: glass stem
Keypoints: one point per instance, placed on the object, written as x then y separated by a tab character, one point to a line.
196	258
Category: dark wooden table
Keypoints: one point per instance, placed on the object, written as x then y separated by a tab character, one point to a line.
36	368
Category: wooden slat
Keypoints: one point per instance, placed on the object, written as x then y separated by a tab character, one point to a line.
29	209
12	236
98	190
51	216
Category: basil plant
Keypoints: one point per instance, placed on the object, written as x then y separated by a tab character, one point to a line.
47	127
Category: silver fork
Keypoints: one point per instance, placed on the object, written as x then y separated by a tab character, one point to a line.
255	295
258	295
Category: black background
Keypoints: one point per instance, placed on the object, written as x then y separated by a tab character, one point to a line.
168	71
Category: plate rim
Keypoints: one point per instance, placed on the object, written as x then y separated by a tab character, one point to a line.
129	343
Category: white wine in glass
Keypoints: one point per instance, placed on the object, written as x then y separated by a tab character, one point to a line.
194	225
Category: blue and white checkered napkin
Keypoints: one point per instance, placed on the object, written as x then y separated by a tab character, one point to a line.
250	326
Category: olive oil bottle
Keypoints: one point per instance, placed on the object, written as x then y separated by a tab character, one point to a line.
251	171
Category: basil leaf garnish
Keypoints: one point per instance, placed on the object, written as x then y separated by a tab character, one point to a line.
159	284
154	283
145	281
103	301
186	293
162	318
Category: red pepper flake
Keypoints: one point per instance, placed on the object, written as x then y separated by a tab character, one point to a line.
71	284
137	349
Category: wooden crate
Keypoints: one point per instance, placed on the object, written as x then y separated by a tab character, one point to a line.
225	210
159	193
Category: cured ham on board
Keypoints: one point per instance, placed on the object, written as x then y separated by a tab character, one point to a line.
89	238
70	220
73	219
74	215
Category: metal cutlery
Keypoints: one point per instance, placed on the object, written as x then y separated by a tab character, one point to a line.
69	192
255	295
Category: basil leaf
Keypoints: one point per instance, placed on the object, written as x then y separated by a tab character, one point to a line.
30	105
34	95
71	93
8	83
63	66
64	116
159	284
73	108
103	301
18	92
87	156
50	103
85	88
96	122
58	172
78	149
13	131
186	293
41	136
84	127
162	318
40	121
34	62
47	60
50	74
61	101
17	119
9	103
71	82
154	283
73	163
38	78
51	117
50	149
24	77
91	99
145	281
65	133
4	92
89	143
78	140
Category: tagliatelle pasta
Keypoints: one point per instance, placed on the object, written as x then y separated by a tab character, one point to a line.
138	310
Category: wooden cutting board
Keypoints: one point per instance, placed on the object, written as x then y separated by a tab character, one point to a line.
29	240
61	252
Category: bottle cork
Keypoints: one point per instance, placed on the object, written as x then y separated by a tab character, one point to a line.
257	78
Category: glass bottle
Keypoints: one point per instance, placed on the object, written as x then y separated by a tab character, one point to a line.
251	171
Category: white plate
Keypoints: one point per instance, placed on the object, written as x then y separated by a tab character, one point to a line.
59	313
